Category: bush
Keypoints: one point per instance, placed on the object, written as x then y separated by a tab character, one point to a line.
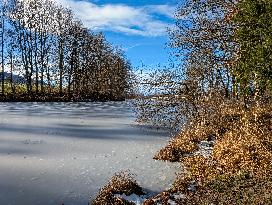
122	183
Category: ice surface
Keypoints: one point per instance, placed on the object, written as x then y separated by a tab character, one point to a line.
54	153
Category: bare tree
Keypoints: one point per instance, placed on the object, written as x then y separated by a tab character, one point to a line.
53	48
203	53
3	19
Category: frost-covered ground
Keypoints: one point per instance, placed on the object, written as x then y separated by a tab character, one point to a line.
54	153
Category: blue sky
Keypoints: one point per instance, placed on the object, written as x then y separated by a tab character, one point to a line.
138	26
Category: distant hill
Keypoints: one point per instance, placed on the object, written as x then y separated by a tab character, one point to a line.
16	78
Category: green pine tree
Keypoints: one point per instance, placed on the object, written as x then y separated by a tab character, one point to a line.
254	37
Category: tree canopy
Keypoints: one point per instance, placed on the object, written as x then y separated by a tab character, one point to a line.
254	59
56	56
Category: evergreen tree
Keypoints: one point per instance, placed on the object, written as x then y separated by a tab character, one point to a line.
254	36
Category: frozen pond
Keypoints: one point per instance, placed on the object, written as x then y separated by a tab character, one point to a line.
54	153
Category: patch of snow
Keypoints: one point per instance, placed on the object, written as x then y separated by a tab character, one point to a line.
138	200
192	187
178	196
171	202
205	148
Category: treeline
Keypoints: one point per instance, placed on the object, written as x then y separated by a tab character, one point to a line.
225	46
222	50
47	54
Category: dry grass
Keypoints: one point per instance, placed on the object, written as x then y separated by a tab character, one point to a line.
239	169
239	189
122	183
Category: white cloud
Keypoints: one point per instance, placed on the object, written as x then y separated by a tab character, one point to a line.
165	10
122	18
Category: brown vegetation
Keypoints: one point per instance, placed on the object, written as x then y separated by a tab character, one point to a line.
239	168
122	183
